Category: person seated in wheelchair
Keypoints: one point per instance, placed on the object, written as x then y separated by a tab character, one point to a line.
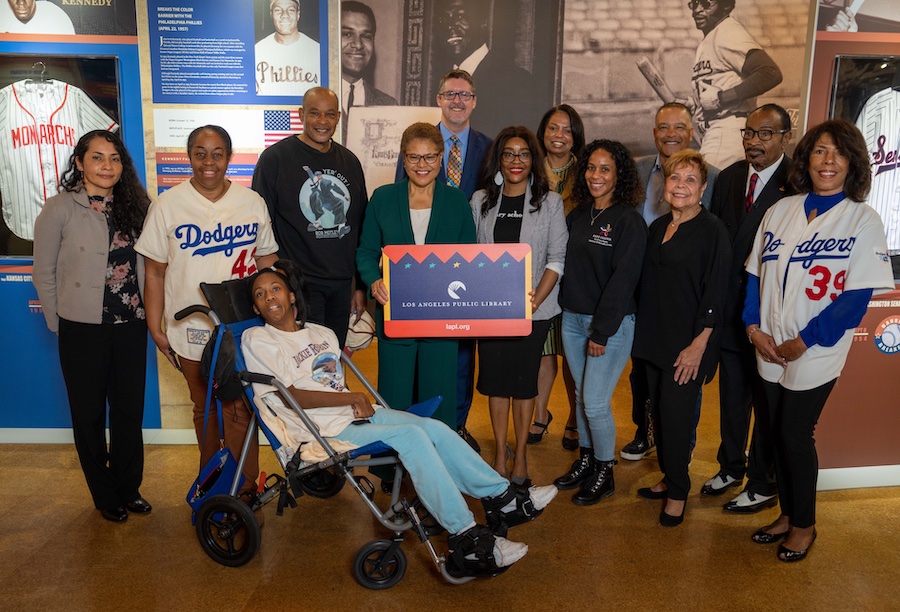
305	357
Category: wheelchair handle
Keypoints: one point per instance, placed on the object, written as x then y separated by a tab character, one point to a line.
196	308
251	377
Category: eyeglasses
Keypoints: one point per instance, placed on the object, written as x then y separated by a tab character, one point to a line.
522	156
764	135
413	160
465	96
704	4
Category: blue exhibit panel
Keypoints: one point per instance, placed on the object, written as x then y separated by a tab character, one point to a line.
35	394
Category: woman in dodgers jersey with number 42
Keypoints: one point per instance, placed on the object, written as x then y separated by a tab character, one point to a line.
817	259
207	229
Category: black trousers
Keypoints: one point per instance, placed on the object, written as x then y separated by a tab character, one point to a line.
794	415
107	364
740	390
329	305
676	408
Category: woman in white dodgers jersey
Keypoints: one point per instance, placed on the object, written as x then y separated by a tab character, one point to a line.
817	259
207	229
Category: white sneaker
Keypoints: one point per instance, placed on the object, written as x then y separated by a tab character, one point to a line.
542	496
506	553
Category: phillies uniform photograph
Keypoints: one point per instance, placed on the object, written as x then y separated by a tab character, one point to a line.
40	123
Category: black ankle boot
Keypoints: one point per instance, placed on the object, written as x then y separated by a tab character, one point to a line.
579	472
599	486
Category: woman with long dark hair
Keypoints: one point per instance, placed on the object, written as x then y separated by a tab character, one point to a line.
561	136
518	206
88	277
607	238
803	305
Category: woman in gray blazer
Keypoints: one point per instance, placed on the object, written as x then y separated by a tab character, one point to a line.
88	278
516	207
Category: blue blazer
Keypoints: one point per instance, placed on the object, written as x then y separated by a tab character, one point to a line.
471	176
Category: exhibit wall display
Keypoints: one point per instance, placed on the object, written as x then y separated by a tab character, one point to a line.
67	70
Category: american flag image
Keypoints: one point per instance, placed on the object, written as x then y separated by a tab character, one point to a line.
279	124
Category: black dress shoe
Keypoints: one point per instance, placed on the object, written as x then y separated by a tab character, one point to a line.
139	506
668	520
116	515
790	556
648	493
764	537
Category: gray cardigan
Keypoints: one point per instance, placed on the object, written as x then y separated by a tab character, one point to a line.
71	252
545	231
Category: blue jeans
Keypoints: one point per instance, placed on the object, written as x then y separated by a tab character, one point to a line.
596	379
441	464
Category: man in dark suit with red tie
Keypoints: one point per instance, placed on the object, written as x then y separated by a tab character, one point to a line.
743	193
464	151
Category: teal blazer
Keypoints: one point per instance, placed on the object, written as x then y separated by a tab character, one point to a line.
387	222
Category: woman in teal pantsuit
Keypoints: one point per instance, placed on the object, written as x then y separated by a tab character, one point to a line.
417	210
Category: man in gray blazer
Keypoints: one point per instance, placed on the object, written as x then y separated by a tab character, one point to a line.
672	132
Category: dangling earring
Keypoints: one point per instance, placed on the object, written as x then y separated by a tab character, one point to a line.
531	179
498	179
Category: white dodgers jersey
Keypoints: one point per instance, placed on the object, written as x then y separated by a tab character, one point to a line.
40	123
879	122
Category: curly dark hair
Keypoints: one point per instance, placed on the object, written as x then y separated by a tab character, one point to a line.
850	143
539	185
290	272
574	120
629	189
130	199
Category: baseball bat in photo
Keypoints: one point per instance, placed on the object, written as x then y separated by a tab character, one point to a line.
655	78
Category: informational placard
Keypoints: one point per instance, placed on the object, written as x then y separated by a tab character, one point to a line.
374	134
237	51
457	290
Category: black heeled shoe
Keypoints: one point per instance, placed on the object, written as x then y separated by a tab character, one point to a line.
570	444
649	493
791	556
668	520
534	438
764	537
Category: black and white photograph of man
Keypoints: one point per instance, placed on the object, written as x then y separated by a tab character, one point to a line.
287	60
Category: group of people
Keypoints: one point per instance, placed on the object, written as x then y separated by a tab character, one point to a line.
658	262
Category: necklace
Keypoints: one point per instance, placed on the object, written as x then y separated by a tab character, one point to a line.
597	216
562	170
680	221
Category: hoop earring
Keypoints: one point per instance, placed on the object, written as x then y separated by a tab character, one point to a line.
498	179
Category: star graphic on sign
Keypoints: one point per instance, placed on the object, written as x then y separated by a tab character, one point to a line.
430	266
505	264
455	264
408	266
480	264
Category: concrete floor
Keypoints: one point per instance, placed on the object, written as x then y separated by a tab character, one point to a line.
57	552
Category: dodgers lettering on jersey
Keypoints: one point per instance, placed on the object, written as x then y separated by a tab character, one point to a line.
220	240
825	259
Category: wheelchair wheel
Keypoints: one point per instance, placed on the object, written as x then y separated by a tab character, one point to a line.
322	484
228	531
375	568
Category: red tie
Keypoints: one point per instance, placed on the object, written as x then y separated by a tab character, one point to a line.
748	201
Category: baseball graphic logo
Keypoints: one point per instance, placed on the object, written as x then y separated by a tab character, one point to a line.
325	200
887	335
